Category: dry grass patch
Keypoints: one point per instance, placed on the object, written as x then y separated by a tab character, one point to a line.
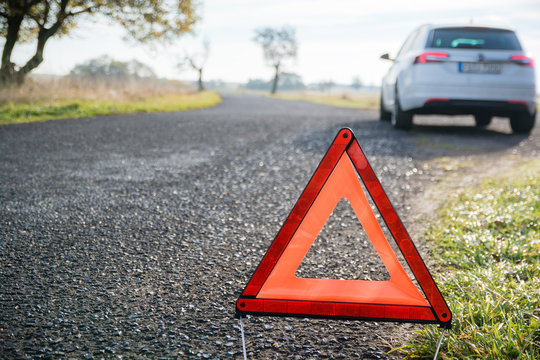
49	98
345	100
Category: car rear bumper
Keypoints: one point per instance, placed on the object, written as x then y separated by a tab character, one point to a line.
467	99
462	106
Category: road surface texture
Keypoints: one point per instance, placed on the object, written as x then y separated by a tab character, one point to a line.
131	236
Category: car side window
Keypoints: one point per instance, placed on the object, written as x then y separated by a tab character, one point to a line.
407	44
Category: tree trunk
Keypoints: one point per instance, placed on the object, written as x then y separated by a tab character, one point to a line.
8	74
7	69
276	79
199	82
43	36
17	77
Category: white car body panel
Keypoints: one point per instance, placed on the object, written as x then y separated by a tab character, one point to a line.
418	83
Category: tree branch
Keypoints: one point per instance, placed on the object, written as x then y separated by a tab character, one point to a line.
192	63
60	17
46	13
34	2
75	13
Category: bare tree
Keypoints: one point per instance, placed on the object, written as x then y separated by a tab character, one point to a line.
278	46
356	83
39	20
197	61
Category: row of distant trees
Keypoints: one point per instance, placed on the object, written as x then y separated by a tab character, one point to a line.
38	21
286	81
291	81
105	67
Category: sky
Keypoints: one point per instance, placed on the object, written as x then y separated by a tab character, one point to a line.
337	39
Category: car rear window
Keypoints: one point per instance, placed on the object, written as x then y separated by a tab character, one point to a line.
473	38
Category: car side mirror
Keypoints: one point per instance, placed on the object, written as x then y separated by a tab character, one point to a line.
386	57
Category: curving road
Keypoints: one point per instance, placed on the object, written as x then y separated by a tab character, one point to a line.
132	235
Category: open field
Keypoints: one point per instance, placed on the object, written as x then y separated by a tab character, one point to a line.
52	98
358	100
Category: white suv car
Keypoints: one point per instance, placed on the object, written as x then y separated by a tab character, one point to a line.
475	70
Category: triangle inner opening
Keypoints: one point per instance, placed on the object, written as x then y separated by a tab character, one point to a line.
342	250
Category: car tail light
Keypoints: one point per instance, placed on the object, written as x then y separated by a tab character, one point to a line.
430	57
522	60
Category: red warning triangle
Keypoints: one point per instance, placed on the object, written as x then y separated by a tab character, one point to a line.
274	288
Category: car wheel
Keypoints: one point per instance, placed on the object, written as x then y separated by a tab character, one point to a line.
384	115
401	119
482	120
522	123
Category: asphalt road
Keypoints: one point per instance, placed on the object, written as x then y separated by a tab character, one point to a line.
132	235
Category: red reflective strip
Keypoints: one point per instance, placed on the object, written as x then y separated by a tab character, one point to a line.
324	308
518	102
436	99
430	57
331	309
399	233
275	306
302	206
299	307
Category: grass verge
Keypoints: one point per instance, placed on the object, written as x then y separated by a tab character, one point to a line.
368	101
15	113
488	241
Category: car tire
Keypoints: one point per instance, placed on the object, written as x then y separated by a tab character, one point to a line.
383	114
522	123
482	120
401	119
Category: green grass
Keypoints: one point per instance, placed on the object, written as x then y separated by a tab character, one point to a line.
488	242
344	101
15	113
426	142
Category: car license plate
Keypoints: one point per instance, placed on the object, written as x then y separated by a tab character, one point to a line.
479	68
